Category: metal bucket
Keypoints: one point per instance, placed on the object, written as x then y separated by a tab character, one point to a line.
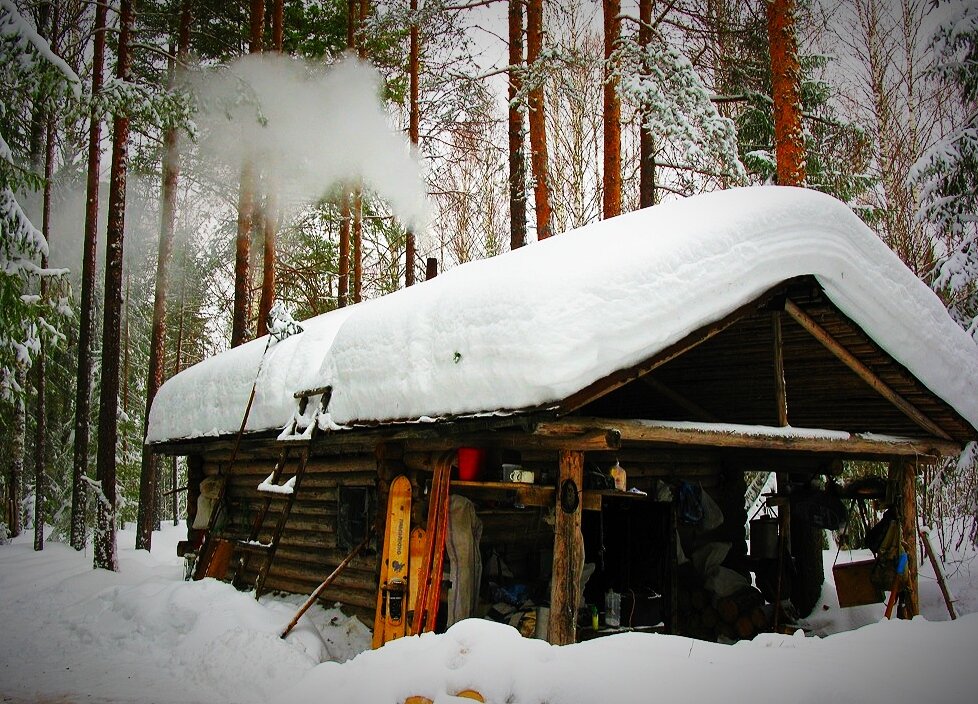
764	537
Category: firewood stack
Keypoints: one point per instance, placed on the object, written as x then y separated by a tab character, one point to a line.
740	616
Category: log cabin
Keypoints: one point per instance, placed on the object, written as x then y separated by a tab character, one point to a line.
610	402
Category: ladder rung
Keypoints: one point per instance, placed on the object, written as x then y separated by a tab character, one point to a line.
270	487
293	439
254	547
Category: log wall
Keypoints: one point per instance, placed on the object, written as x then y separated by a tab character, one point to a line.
307	551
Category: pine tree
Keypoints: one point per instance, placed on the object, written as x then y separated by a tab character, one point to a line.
414	126
246	210
537	119
30	74
149	480
947	173
105	540
611	113
517	158
270	229
86	313
646	150
786	92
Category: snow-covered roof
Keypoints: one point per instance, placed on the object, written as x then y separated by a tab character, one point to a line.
532	327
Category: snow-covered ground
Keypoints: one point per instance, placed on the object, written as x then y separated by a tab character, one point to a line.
70	634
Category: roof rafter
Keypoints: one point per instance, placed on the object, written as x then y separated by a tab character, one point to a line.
861	370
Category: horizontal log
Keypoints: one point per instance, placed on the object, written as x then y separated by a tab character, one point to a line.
347	597
592	439
292	569
757	437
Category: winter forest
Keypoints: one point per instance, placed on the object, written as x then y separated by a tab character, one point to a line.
169	169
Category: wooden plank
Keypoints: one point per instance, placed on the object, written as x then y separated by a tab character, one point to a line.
568	558
802	441
780	390
864	372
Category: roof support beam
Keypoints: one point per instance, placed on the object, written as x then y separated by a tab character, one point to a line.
780	390
695	409
861	370
752	437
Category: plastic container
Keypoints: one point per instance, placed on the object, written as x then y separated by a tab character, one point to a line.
618	475
471	461
612	609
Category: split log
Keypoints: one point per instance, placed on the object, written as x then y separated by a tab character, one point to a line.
739	603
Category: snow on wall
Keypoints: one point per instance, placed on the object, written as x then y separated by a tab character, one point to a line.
533	326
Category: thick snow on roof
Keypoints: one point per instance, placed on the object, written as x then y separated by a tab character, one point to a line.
532	327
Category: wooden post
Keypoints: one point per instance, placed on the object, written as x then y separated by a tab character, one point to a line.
568	550
779	383
431	269
907	478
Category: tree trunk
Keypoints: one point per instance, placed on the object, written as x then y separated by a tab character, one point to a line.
105	543
35	137
270	229
351	23
17	441
148	478
278	25
538	131
786	92
414	120
362	12
343	286
612	114
257	26
246	211
177	360
356	235
126	355
40	423
86	314
242	256
646	153
517	159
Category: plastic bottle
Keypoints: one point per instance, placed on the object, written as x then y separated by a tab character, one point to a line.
618	475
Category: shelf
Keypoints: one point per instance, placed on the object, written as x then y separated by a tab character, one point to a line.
538	495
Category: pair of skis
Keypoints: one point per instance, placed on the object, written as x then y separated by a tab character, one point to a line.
433	555
412	560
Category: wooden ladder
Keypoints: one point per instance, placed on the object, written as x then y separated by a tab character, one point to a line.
273	490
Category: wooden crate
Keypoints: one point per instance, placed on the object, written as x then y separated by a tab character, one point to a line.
854	584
